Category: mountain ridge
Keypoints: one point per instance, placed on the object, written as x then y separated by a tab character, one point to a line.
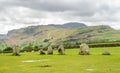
69	25
64	26
2	36
44	34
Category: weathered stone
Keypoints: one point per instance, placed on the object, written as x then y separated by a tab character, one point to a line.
50	50
32	51
16	50
42	52
61	50
106	52
84	49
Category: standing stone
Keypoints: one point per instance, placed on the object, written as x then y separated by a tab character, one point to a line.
32	51
84	49
16	50
50	50
61	50
106	52
42	52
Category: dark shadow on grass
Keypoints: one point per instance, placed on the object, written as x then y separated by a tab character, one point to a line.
13	55
50	54
45	66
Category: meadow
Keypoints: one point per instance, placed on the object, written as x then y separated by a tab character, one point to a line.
71	62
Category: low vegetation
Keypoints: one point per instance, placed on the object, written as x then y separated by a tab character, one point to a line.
32	62
37	42
37	35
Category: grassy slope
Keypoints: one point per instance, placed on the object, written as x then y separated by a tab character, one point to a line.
69	63
37	35
99	33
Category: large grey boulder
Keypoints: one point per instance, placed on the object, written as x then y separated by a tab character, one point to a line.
42	52
50	50
106	52
61	50
16	50
84	49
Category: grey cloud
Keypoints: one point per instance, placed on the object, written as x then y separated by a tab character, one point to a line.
51	5
84	9
79	7
33	12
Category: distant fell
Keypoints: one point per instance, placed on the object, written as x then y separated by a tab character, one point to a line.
69	25
55	34
2	36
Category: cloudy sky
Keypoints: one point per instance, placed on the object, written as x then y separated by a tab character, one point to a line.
16	14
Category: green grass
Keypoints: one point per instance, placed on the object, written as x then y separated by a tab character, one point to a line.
69	63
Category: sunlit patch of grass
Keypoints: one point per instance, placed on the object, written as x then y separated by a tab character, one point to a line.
71	62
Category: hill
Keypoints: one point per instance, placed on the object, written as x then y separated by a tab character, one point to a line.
2	36
69	25
55	34
41	33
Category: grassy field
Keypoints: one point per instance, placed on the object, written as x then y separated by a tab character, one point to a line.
69	63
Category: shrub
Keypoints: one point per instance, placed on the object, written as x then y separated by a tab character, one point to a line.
36	48
46	40
8	50
0	51
28	48
105	45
